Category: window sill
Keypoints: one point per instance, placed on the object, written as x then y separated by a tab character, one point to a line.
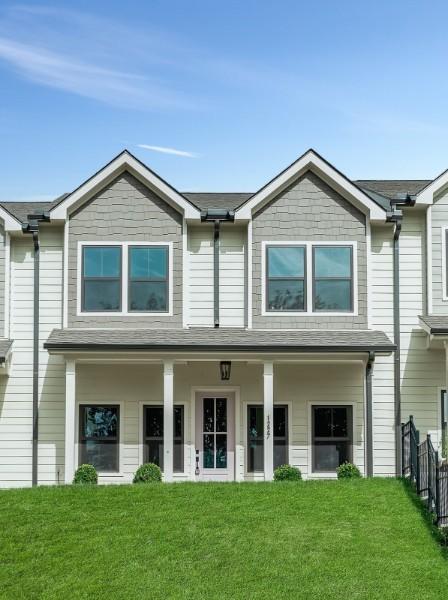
323	475
110	474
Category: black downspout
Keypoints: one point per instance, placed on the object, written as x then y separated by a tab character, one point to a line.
369	415
397	354
216	216
216	232
32	227
35	358
395	216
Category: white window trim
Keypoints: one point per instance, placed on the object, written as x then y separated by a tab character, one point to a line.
309	280
443	231
141	425
260	474
118	403
124	280
329	474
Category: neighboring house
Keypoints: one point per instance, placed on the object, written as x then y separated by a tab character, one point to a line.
221	335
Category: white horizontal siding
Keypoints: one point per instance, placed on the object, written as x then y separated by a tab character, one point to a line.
381	307
231	276
16	390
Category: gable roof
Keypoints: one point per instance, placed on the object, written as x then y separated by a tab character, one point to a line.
312	161
125	161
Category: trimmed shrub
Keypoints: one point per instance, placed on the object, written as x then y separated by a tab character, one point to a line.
287	473
148	473
86	475
348	471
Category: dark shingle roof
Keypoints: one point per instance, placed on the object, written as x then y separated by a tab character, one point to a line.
204	200
391	188
219	340
379	190
5	347
437	324
21	210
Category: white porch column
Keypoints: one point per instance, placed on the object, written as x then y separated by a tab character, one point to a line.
70	419
268	402
168	419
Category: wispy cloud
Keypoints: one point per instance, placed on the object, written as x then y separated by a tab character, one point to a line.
165	150
89	80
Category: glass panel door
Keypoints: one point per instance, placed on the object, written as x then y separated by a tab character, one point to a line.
214	433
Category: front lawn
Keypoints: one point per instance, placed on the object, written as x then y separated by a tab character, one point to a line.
325	540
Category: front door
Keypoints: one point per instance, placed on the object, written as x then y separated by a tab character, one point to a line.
215	442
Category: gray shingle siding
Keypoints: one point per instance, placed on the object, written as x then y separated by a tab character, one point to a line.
439	220
309	211
125	210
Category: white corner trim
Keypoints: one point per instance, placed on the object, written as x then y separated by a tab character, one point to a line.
124	162
7	283
249	275
312	161
429	274
185	276
65	276
443	233
369	274
309	280
124	280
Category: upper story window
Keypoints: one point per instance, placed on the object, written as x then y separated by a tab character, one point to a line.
332	278
148	278
101	279
309	278
125	278
285	278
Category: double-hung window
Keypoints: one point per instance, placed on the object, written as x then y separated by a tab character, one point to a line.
333	278
255	437
332	437
153	437
101	278
99	436
285	278
148	279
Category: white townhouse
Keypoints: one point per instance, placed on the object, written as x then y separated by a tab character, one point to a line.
220	335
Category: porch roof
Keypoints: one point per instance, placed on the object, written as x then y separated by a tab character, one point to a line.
218	340
434	324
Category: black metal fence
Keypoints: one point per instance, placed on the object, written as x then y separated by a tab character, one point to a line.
421	465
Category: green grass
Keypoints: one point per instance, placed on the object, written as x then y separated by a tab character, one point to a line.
325	540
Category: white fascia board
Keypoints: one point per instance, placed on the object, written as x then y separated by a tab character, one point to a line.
313	162
124	162
426	195
11	223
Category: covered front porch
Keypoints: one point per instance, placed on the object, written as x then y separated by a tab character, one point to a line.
218	405
312	412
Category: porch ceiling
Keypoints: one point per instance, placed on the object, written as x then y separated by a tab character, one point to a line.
218	340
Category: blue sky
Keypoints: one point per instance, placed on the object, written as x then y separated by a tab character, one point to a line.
240	88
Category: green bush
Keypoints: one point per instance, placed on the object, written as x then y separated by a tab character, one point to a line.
348	471
85	475
148	473
287	473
